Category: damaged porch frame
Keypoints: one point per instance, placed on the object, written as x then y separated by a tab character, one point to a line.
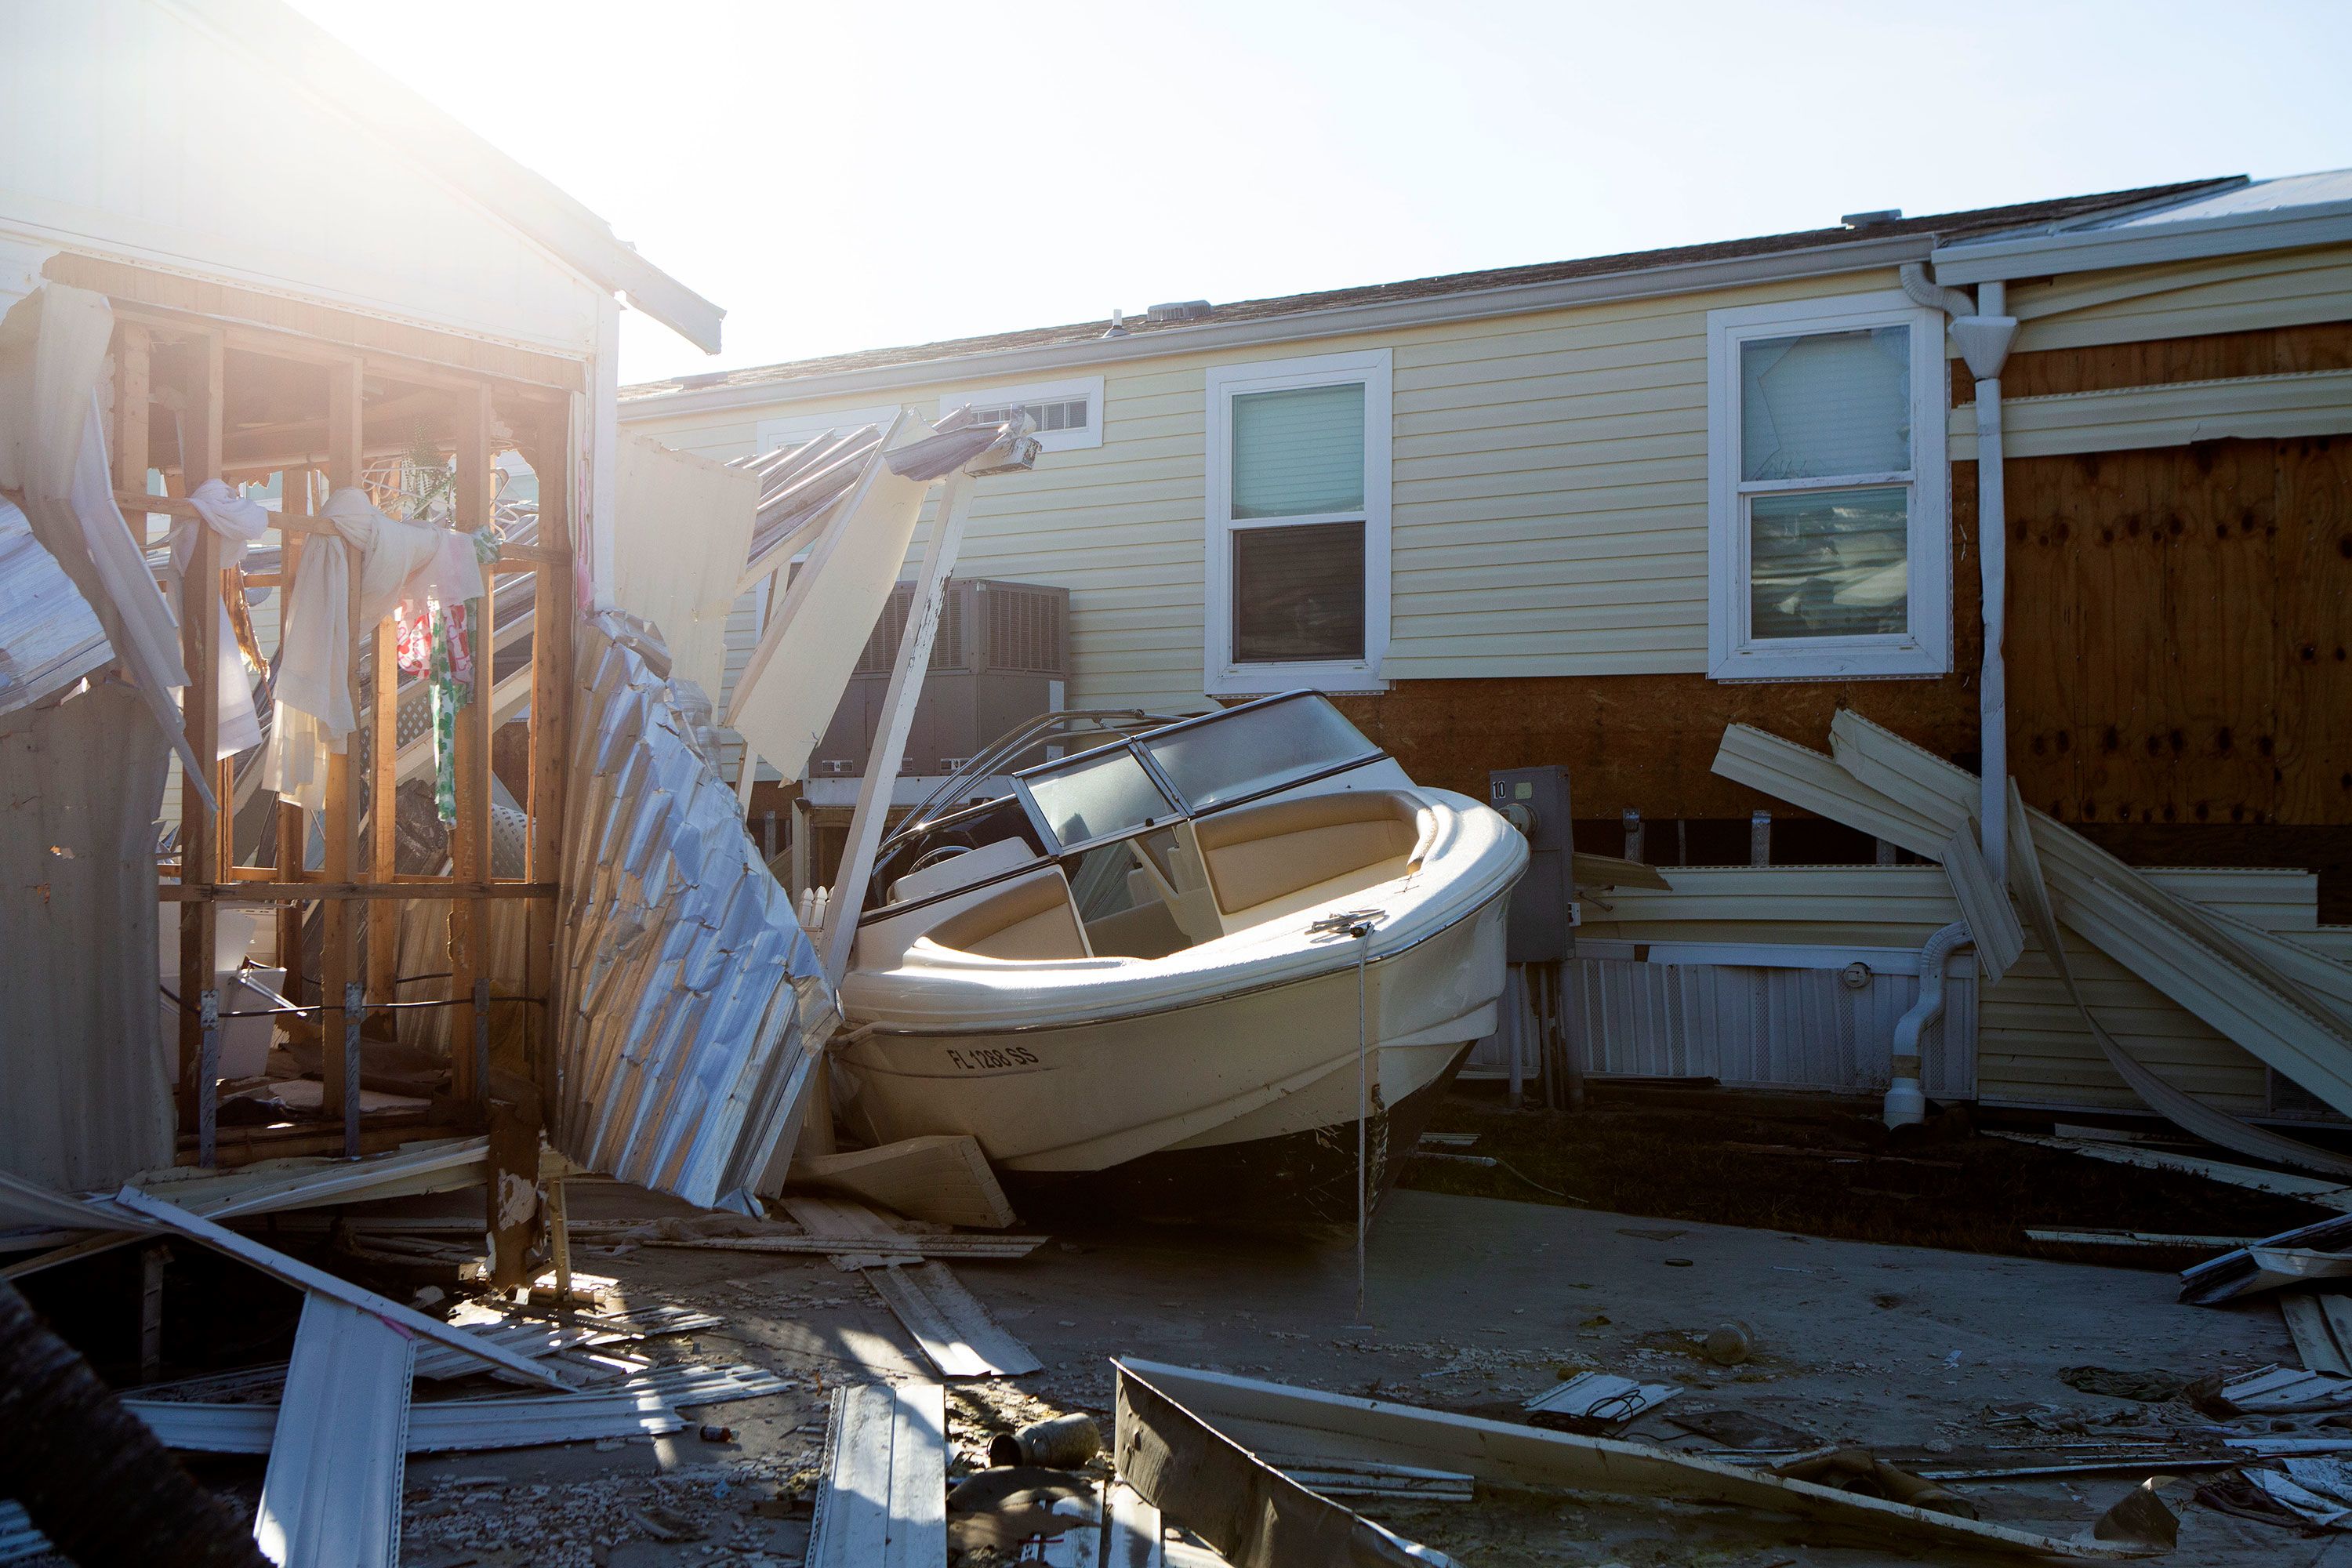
199	395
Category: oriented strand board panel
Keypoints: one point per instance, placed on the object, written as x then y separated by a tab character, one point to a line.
685	528
2181	634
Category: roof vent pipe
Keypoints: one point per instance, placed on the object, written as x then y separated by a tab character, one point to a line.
1117	323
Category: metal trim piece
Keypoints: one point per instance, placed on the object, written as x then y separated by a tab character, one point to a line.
339	1451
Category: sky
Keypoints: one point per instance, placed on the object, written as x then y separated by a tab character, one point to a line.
850	176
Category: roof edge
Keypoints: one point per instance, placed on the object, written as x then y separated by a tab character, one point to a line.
1514	299
2085	249
507	189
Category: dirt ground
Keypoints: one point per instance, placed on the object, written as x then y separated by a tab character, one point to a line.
1474	1302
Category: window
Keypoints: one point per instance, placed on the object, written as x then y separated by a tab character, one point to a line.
1829	535
1298	589
1068	412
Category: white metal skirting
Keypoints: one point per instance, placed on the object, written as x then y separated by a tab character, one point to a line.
1747	1026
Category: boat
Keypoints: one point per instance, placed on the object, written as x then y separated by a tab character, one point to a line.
1178	974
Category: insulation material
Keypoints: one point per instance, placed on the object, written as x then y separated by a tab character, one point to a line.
789	690
685	528
689	1003
89	1095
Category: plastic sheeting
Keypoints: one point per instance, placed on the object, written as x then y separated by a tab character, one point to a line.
88	1095
691	1004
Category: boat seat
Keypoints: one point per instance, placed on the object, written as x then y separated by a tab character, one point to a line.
1031	918
1261	855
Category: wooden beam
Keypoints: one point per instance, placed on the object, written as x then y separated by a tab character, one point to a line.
293	834
469	837
200	823
133	391
299	891
515	558
339	956
556	461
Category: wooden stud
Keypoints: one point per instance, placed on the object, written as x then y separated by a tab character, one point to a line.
469	837
293	832
339	951
133	391
199	646
556	462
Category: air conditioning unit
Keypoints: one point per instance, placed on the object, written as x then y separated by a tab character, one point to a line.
1001	658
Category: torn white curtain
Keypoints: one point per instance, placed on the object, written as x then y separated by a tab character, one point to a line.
398	561
53	447
238	523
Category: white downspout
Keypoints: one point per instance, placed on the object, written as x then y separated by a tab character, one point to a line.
1906	1100
1983	333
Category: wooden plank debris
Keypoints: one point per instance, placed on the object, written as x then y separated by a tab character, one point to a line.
2132	1239
1278	1418
883	1500
2281	1183
943	1178
949	1322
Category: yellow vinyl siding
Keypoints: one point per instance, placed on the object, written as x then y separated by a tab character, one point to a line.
1549	512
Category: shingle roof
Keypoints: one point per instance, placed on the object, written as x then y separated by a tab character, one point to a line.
1946	227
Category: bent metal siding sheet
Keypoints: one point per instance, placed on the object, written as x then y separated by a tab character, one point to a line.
691	1004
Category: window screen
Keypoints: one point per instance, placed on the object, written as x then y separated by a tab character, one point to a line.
1299	593
1824	405
1298	453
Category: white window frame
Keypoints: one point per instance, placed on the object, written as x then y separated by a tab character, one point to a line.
1222	675
1734	652
1089	387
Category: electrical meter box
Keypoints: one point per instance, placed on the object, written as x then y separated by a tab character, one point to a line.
1543	906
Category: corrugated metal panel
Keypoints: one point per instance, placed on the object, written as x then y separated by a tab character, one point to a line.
137	157
1754	1026
686	986
331	1497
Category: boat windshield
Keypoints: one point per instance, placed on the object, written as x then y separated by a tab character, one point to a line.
1102	794
1256	750
1192	768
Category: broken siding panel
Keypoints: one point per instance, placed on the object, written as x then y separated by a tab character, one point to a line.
2224	294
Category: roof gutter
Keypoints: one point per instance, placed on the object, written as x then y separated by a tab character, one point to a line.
1524	298
2084	250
